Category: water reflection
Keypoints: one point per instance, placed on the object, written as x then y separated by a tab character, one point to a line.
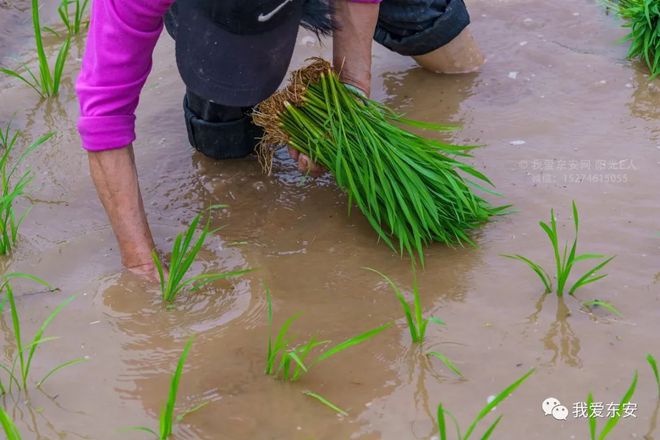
560	338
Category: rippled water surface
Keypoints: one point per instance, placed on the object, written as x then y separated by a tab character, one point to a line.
562	116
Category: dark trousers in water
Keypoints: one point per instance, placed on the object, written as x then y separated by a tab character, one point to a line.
408	27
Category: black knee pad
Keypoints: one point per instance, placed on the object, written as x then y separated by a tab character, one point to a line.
220	131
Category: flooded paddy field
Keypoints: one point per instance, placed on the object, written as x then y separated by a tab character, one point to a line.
562	116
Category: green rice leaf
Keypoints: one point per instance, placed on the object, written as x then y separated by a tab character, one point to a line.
8	426
167	415
613	421
538	270
490	430
604	304
449	364
352	341
141	428
442	427
60	367
496	401
654	367
592	417
326	402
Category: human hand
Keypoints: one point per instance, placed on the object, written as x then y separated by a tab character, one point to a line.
305	164
148	272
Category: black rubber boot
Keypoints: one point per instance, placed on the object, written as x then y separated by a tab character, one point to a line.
220	131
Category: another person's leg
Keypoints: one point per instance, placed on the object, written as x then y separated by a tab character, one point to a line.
434	32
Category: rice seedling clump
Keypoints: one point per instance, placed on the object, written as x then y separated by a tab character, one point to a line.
47	80
13	185
412	189
642	17
288	361
18	369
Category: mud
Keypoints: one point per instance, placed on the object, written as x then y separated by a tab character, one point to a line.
556	90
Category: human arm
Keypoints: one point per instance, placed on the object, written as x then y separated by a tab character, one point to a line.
352	41
117	61
115	176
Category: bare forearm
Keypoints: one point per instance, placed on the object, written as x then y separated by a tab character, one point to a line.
352	41
115	175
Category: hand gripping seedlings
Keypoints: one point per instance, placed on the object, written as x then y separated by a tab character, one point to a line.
413	190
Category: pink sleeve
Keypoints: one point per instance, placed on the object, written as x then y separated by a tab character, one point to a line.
121	39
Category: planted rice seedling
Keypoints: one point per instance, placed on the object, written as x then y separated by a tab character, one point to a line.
167	418
293	358
642	17
614	419
18	369
12	188
8	426
412	190
565	261
442	425
654	367
47	83
417	324
184	253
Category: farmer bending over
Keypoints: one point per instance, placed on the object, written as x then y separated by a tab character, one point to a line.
231	55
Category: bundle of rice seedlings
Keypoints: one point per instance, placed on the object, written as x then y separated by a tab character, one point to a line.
643	19
411	189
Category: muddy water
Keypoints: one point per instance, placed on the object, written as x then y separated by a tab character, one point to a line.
556	93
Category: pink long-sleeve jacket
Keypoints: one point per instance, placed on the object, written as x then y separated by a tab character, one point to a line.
122	36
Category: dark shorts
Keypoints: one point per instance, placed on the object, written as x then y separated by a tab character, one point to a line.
417	27
407	27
